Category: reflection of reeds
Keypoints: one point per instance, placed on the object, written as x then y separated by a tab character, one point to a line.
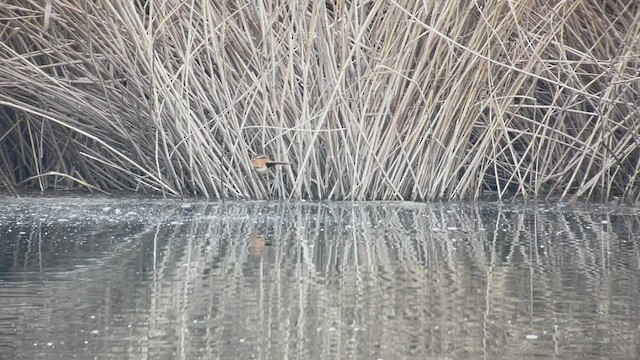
375	100
379	280
341	280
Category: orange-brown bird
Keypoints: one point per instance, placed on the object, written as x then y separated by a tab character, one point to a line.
262	163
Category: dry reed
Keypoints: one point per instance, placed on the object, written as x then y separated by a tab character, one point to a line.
412	100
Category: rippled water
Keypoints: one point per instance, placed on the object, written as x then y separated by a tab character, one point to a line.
134	279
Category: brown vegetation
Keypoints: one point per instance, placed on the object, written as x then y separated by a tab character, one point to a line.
392	99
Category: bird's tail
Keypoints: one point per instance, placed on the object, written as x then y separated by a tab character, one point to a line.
274	163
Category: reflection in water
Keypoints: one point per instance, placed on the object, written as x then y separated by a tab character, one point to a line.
258	245
118	279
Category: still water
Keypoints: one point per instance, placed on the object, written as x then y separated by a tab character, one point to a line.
95	278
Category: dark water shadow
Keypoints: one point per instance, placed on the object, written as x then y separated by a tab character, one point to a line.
131	279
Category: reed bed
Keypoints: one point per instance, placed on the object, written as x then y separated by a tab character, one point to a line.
411	100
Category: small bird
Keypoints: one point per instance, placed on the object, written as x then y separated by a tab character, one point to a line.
262	163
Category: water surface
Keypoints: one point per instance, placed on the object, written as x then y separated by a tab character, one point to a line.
87	278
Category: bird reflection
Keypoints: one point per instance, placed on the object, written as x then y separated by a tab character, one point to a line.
258	245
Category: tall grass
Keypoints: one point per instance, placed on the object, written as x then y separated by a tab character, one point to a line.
412	100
